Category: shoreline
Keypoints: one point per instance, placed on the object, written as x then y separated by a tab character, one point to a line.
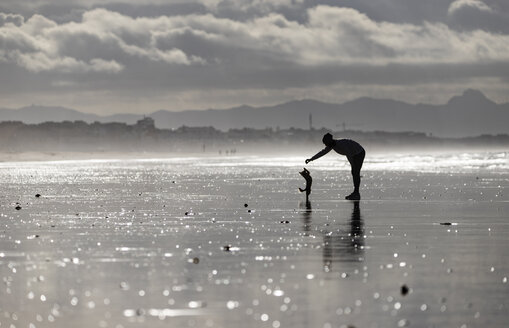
48	156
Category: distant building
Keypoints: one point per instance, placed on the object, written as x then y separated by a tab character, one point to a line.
146	124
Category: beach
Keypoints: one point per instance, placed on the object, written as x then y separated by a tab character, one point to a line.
229	241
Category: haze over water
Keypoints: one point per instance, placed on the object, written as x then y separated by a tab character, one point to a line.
230	242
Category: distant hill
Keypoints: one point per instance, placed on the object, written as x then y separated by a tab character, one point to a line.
37	114
468	114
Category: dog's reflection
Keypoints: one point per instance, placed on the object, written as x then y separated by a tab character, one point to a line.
306	216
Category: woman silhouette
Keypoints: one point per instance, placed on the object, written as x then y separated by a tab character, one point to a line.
353	152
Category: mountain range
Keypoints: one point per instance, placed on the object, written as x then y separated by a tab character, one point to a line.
469	114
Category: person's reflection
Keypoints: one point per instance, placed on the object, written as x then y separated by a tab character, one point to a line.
306	217
345	246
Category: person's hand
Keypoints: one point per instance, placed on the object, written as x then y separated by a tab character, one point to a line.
308	160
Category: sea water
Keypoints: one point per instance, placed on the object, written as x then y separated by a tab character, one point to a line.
230	242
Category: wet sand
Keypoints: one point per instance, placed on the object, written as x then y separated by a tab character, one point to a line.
230	242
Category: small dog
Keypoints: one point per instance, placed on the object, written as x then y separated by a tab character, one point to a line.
309	181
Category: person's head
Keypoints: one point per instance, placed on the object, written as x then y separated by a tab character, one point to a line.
327	140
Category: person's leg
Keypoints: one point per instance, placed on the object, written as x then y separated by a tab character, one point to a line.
356	170
356	163
356	174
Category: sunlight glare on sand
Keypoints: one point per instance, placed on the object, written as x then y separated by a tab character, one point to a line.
230	242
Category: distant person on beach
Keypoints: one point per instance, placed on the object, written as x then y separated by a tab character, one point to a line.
353	152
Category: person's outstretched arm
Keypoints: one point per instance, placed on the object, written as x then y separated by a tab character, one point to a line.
319	154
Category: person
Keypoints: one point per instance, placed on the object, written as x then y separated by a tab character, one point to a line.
353	151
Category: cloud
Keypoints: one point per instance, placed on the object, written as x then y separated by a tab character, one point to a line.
96	44
344	36
11	18
39	61
475	14
149	55
459	5
109	41
29	46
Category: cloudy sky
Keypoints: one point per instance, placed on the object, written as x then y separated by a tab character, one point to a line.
122	56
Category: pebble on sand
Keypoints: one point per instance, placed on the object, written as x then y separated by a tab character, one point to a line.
18	207
196	260
226	248
404	290
245	205
37	195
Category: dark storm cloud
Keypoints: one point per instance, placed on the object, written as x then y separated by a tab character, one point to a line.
474	14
